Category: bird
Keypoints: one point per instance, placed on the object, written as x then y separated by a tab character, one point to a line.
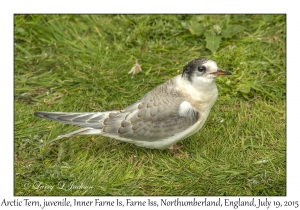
165	115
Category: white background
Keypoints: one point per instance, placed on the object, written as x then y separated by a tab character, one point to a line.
9	8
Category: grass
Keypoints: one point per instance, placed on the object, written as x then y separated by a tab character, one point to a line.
80	63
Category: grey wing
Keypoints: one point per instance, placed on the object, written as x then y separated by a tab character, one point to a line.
156	116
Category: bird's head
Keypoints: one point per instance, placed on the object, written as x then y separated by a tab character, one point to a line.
202	70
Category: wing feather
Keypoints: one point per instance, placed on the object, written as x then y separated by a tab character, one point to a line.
154	117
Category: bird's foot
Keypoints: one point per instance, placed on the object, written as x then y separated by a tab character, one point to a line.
173	148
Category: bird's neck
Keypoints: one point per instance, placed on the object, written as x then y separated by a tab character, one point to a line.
202	93
201	85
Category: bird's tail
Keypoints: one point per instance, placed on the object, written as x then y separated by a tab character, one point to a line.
89	119
82	131
92	122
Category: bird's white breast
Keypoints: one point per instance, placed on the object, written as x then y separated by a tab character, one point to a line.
200	96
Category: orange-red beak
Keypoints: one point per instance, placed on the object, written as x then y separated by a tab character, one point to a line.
221	72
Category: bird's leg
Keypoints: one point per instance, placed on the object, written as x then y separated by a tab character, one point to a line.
173	148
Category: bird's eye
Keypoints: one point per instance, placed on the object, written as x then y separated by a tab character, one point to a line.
201	68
